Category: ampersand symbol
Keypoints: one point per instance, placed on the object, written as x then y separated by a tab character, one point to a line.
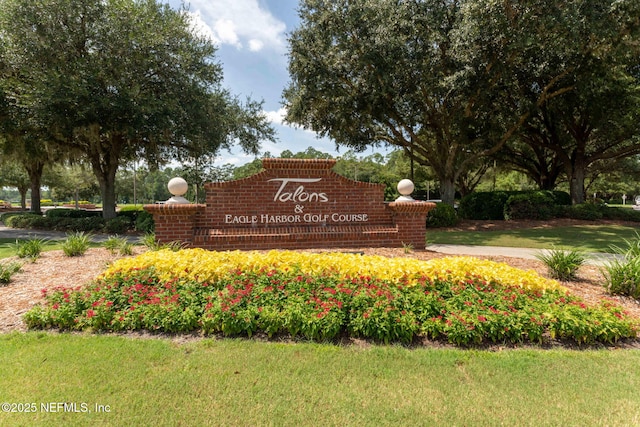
299	208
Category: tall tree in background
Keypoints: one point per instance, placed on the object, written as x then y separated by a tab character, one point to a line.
12	174
577	53
372	72
450	82
118	80
21	138
528	155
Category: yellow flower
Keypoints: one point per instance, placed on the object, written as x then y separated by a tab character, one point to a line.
207	266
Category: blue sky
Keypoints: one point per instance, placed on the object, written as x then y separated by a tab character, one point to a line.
251	36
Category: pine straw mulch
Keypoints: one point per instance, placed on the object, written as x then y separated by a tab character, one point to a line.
54	269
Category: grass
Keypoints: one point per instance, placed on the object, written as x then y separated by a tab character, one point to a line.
588	238
241	382
7	246
76	244
244	382
562	265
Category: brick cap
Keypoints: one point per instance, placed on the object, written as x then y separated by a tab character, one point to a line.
174	208
305	164
412	207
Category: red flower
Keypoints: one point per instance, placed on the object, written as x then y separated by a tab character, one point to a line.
90	313
482	319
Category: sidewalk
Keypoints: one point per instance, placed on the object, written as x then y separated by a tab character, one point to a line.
525	253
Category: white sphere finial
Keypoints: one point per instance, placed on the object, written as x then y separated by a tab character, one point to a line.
178	188
405	188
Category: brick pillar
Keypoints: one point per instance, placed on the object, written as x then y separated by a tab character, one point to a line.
175	222
411	220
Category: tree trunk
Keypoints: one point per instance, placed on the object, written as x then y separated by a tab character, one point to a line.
577	190
546	182
107	180
576	180
104	163
35	177
447	191
23	197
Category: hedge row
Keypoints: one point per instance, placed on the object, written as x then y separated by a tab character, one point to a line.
541	205
499	205
79	220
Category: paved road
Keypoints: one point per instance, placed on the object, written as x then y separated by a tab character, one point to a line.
593	258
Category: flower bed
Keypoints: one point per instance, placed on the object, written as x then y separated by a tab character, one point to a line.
322	296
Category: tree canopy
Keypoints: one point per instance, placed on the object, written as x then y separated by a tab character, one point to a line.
450	82
117	80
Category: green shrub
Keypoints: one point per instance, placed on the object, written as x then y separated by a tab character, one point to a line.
71	213
76	244
28	220
118	244
119	224
585	211
483	205
66	220
621	214
94	224
149	241
31	248
443	215
492	205
6	215
562	265
622	277
8	270
530	205
131	212
126	249
145	223
560	198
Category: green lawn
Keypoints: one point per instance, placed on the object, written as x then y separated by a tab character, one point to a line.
591	238
242	382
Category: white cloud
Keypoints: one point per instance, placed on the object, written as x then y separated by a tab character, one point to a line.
238	23
276	117
255	45
225	32
200	27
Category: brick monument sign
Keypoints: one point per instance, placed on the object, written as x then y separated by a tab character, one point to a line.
293	204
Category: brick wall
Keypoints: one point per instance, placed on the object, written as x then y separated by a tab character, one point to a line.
293	204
